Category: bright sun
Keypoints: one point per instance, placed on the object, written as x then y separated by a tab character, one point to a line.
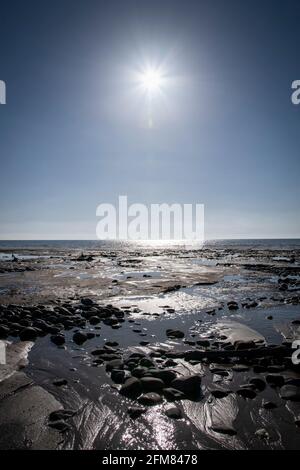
151	80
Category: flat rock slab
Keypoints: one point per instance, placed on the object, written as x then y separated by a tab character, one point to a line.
24	412
16	358
239	333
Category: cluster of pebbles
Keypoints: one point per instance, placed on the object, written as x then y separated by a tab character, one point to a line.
30	322
148	379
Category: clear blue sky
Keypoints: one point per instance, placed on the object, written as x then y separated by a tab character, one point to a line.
72	134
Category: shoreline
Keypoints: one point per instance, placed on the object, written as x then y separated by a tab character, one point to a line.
114	331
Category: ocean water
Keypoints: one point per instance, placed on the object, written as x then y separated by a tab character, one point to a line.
85	245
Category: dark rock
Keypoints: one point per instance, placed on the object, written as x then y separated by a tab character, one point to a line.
90	335
246	393
28	334
118	376
290	392
4	332
244	345
292	381
145	362
258	383
173	412
275	380
79	337
165	375
150	399
60	382
219	393
152	384
94	320
269	405
61	415
172	394
203	342
136	411
114	364
232	305
131	388
174	333
59	340
86	301
61	425
223	429
139	371
190	384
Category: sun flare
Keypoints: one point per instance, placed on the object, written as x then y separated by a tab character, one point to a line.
151	80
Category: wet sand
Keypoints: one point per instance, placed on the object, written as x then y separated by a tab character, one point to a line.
113	330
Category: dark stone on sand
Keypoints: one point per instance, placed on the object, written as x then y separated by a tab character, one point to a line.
59	340
173	412
152	384
79	337
150	399
172	288
223	429
61	415
258	383
90	335
114	364
28	334
275	380
203	342
219	393
172	394
4	332
215	369
146	362
232	305
170	363
111	344
136	411
118	376
131	388
165	375
61	425
290	392
269	405
190	384
246	393
94	320
292	381
98	362
139	371
174	333
242	345
60	382
86	301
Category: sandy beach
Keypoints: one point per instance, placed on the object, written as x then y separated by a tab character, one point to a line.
140	347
